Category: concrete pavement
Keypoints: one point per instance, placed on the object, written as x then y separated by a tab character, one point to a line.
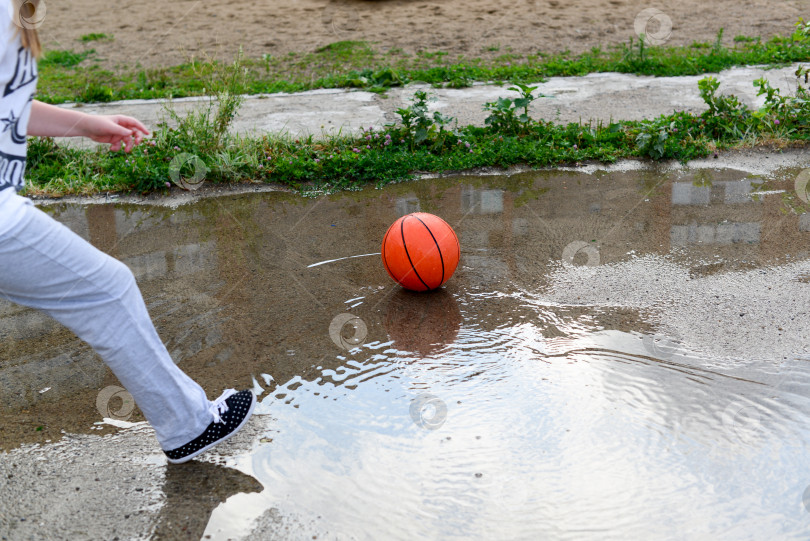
598	97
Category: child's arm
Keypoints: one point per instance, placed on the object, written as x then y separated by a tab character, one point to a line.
117	130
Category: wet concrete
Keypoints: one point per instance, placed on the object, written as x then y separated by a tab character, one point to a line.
622	352
598	97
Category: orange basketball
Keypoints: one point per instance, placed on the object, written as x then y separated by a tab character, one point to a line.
420	251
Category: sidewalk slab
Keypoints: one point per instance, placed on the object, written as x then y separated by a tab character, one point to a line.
598	97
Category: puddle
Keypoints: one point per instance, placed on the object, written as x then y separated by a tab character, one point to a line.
619	355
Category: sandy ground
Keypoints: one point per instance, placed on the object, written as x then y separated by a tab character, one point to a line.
158	33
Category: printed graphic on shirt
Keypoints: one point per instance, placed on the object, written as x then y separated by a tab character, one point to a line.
25	72
12	122
11	169
18	76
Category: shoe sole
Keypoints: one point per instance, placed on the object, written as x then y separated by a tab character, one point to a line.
214	444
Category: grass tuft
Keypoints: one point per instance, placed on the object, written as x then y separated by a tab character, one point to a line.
87	38
63	59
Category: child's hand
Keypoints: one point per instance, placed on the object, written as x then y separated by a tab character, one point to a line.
117	130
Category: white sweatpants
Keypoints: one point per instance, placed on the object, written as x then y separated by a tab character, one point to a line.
46	266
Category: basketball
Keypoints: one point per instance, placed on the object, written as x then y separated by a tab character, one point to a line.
420	251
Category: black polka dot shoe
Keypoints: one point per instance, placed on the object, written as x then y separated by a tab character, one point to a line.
231	411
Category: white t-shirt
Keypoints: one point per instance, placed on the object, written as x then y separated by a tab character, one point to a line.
18	80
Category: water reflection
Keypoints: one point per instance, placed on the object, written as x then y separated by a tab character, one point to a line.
571	449
728	192
214	272
407	205
728	233
478	201
192	493
422	324
574	407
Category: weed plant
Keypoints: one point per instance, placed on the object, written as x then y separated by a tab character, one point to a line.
421	141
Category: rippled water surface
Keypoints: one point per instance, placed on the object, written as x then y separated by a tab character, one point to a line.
619	356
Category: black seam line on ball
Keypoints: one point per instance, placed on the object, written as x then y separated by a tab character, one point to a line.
437	248
405	245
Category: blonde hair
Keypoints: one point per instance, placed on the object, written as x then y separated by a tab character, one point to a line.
30	40
27	19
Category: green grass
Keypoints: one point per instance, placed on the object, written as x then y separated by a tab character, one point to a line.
87	38
70	76
56	59
420	142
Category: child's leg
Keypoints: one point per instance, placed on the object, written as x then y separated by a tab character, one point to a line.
46	266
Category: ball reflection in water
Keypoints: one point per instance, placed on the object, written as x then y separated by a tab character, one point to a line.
422	323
